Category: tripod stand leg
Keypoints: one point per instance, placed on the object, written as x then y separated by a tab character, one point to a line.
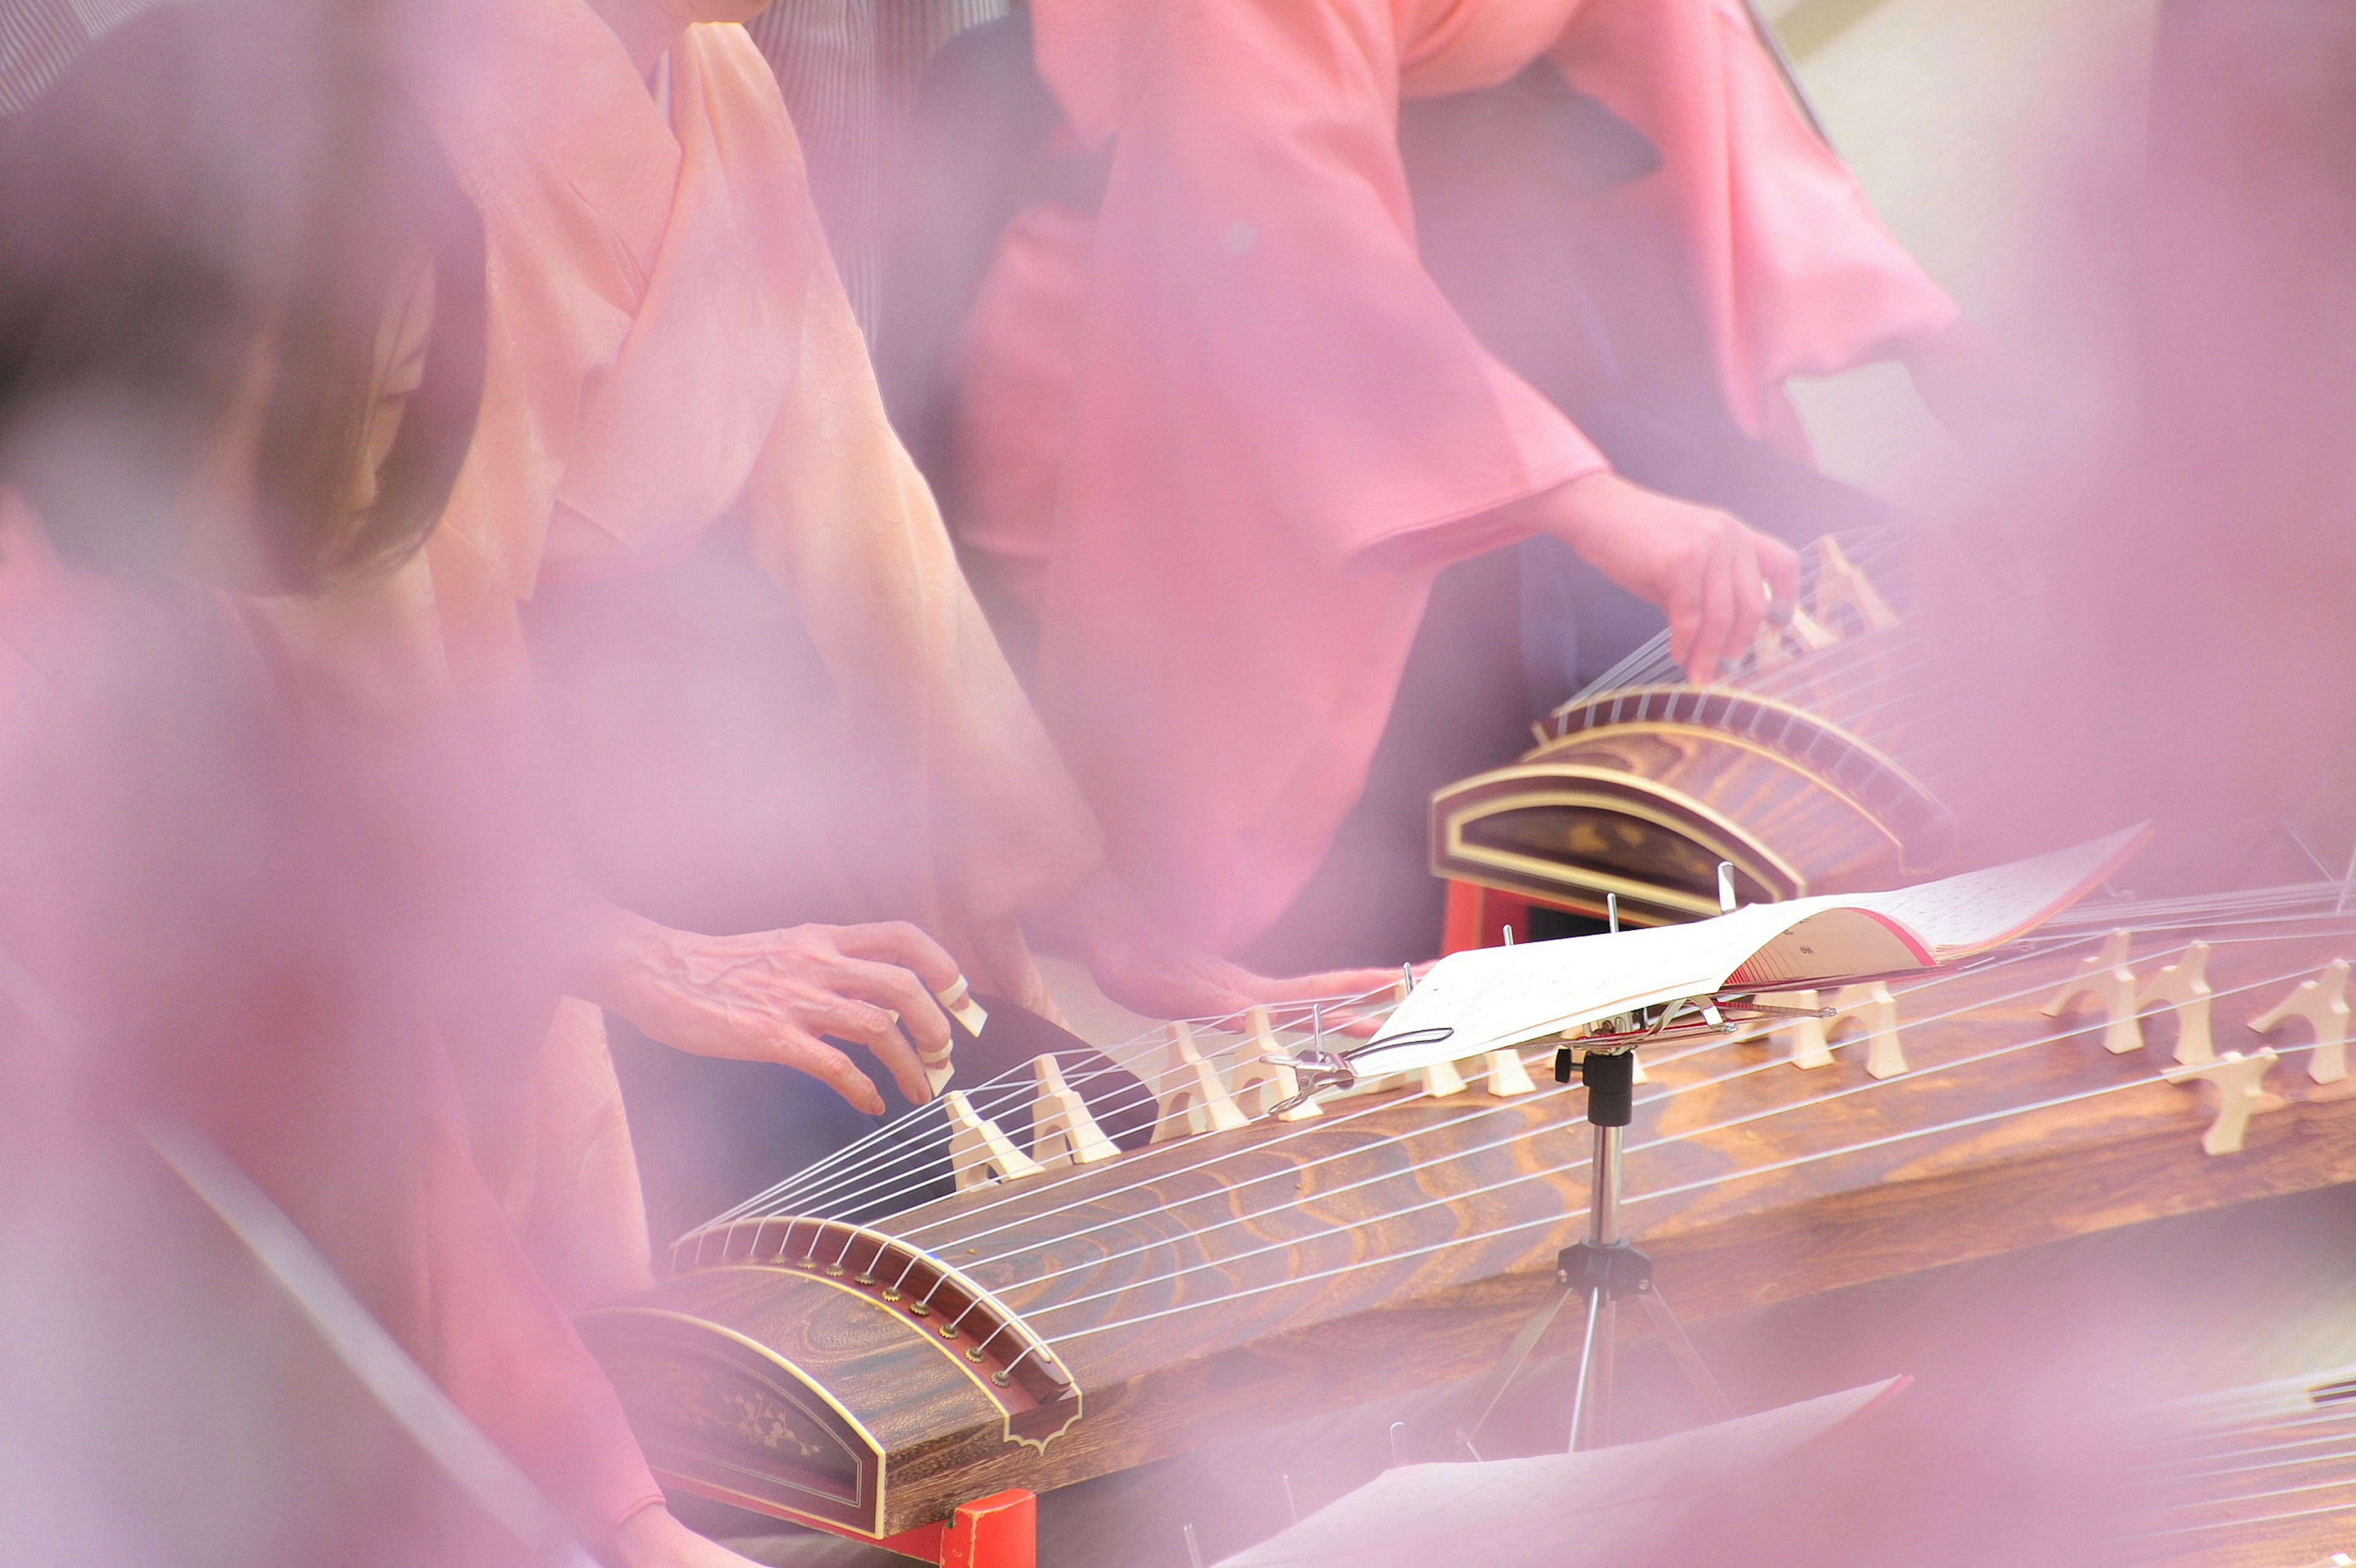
1599	1399
1672	1334
1484	1398
1583	1408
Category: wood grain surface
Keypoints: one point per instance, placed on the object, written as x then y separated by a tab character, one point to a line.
1214	1285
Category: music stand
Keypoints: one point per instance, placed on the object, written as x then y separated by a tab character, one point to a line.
1606	1268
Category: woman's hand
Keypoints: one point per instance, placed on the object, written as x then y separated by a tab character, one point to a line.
769	997
1710	574
1143	970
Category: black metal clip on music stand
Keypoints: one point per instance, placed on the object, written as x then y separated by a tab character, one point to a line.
1606	1268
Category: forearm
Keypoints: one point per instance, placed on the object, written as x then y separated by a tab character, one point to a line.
602	953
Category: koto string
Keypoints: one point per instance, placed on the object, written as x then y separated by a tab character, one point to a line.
1220	1156
891	1153
885	1138
1927	980
2249	1498
1029	1191
1018	1193
1512	1137
2260	1396
1136	1094
797	1192
883	1142
1559	1219
1830	697
1746	1120
797	1189
2244	1453
883	1150
2258	1519
1868	551
885	1146
2258	1410
1343	1004
2325	1417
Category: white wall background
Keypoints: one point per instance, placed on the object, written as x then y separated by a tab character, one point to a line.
1968	121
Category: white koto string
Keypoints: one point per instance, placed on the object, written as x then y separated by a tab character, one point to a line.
1030	1192
1021	1193
812	1182
1512	1136
1213	1158
886	1144
2204	1465
2342	1415
2254	1519
1030	1311
1913	708
1831	678
1029	1221
2295	1388
1220	1154
1033	1190
1835	678
867	1181
1868	552
1826	682
2245	1408
2243	1499
1556	1220
1137	1093
884	1138
2277	903
1831	683
2327	1415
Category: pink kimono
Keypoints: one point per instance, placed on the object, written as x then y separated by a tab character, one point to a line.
1227	429
670	346
274	987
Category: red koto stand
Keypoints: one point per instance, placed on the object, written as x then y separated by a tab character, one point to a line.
1001	1531
1477	916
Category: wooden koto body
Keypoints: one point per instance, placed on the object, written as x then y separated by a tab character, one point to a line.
1035	1332
1645	791
1792	769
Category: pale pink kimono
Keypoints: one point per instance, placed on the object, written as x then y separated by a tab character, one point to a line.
341	1101
1225	429
669	345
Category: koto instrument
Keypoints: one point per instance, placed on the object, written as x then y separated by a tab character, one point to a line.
2262	1477
1072	1310
1810	768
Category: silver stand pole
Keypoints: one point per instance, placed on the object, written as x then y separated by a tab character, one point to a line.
1590	1401
1602	1268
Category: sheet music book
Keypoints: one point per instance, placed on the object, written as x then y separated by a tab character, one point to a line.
1493	998
1606	1505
